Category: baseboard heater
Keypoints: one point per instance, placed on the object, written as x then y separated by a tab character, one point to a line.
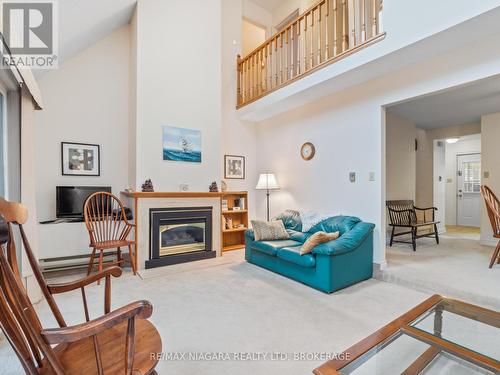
72	262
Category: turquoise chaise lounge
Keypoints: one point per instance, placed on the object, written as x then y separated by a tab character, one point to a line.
331	266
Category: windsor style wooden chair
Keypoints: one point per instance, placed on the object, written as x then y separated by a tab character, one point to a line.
493	208
108	229
121	342
403	214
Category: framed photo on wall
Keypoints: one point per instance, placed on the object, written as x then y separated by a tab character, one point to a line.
80	159
234	167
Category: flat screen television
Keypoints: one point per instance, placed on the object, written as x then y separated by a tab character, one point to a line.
70	199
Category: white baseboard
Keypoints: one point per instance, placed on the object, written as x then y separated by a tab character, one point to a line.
491	242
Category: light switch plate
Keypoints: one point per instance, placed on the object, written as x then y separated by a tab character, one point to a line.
184	187
486	174
371	176
352	176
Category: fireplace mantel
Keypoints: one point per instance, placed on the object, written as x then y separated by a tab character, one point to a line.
176	194
142	202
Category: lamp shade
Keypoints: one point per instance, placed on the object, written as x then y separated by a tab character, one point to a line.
267	181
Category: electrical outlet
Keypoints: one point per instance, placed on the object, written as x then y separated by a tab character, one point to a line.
184	187
352	176
371	176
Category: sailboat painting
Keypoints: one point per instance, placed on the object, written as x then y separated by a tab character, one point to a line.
181	144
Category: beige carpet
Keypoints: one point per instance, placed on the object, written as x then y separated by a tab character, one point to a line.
238	307
458	267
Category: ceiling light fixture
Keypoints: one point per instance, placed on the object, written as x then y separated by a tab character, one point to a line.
452	140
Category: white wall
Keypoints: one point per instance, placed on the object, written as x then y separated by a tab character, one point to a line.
237	137
425	173
466	145
400	157
349	134
288	7
87	101
253	36
178	84
254	13
490	136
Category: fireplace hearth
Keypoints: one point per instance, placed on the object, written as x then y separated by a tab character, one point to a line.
179	235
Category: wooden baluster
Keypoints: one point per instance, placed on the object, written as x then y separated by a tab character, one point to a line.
293	50
286	50
327	29
376	8
244	90
277	61
363	21
271	65
264	68
345	27
335	28
299	46
318	36
249	88
280	54
311	57
354	13
239	97
259	71
252	75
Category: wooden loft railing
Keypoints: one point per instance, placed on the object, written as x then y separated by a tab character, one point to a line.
325	33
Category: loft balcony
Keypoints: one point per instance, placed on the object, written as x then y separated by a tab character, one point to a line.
322	35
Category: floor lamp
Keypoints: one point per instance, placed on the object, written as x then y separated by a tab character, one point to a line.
267	182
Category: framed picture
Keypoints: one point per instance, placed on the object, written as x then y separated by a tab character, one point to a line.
80	159
234	167
181	144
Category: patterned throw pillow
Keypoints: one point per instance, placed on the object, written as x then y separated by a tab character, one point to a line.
269	230
316	239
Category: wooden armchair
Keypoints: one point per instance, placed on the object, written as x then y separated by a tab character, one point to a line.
108	229
121	342
493	207
403	214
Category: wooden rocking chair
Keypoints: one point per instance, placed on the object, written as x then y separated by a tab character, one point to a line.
493	207
403	214
121	342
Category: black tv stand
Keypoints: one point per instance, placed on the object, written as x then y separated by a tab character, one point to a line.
63	220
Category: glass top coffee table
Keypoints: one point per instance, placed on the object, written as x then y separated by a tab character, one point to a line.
440	336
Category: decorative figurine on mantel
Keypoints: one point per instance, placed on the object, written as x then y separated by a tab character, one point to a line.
213	188
147	187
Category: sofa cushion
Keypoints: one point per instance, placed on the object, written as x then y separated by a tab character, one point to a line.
341	224
298	236
271	247
291	219
269	230
292	254
316	239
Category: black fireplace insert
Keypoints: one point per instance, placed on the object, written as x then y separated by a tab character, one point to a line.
180	235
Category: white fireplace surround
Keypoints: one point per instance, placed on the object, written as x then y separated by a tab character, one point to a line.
141	210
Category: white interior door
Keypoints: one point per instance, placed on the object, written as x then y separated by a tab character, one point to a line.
468	190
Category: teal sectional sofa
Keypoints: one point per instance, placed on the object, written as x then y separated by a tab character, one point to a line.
331	266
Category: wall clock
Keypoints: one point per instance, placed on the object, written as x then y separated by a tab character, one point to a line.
307	151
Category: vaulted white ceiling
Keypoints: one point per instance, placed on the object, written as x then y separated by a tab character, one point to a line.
460	105
269	5
85	22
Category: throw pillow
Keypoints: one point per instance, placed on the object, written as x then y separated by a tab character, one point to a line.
269	230
316	239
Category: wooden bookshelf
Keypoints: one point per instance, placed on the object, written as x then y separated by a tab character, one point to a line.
234	238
